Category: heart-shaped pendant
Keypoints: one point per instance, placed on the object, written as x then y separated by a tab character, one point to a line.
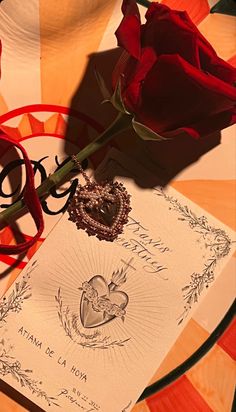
100	209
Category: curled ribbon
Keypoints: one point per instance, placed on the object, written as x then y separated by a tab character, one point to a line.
31	202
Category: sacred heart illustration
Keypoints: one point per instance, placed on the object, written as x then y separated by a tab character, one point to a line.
102	302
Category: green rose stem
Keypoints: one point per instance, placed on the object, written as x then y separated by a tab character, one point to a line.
122	122
144	3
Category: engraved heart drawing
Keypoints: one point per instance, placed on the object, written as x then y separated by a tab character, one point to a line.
102	302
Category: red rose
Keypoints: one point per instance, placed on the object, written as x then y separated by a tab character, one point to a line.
171	79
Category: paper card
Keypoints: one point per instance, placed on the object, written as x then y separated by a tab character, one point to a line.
88	322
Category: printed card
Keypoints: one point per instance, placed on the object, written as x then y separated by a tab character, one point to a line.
88	322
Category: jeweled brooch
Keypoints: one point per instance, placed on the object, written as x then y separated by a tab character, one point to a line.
101	209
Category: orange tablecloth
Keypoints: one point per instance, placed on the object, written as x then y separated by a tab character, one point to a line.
48	59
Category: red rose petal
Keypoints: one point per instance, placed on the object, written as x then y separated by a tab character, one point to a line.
155	8
128	32
213	64
206	126
129	7
133	77
209	59
174	39
170	31
176	94
169	34
197	10
232	61
119	68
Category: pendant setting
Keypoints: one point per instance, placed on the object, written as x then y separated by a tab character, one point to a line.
101	209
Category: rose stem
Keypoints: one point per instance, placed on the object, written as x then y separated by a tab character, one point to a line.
122	122
144	3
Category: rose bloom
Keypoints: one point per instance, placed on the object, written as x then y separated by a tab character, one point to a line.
112	310
91	294
86	286
120	312
171	78
103	304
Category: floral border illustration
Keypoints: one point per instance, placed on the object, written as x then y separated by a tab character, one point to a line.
219	245
70	323
21	292
9	365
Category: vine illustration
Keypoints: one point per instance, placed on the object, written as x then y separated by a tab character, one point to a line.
70	323
215	240
21	292
10	366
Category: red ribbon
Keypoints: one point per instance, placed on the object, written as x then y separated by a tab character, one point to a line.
31	201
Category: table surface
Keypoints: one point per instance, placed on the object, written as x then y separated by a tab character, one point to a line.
54	66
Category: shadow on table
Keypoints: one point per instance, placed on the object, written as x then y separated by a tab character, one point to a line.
164	159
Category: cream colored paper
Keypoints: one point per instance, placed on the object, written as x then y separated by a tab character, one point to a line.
58	348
